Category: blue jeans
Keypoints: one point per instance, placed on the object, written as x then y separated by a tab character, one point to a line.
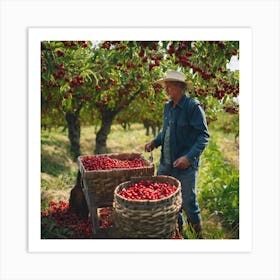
188	179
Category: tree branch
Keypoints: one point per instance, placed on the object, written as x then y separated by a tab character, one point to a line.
132	97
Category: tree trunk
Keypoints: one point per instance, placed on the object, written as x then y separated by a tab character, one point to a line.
147	127
107	120
74	132
102	134
154	130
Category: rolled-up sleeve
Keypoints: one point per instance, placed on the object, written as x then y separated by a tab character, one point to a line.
158	140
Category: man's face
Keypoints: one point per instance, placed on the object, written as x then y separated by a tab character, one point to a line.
173	90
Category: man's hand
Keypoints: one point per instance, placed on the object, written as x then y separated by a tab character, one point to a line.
182	163
149	146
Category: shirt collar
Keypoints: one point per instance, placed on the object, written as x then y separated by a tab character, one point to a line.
181	102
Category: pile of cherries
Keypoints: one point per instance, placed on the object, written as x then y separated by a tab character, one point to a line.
147	190
64	221
70	226
99	162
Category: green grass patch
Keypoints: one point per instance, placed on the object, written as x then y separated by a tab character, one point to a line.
218	188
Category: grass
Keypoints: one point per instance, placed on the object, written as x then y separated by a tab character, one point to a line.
218	192
225	131
58	171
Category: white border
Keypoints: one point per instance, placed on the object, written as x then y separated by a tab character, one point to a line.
243	35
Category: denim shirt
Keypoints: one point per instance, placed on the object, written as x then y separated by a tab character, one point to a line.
188	130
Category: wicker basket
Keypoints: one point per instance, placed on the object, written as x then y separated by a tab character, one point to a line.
102	183
147	218
99	185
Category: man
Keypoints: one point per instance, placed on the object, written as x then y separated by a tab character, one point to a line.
183	138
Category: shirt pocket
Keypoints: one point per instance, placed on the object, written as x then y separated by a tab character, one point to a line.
183	129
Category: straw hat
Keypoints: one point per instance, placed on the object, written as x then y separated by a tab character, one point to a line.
172	76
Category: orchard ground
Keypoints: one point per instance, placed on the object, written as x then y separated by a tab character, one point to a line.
218	182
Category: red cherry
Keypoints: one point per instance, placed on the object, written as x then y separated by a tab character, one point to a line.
97	86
